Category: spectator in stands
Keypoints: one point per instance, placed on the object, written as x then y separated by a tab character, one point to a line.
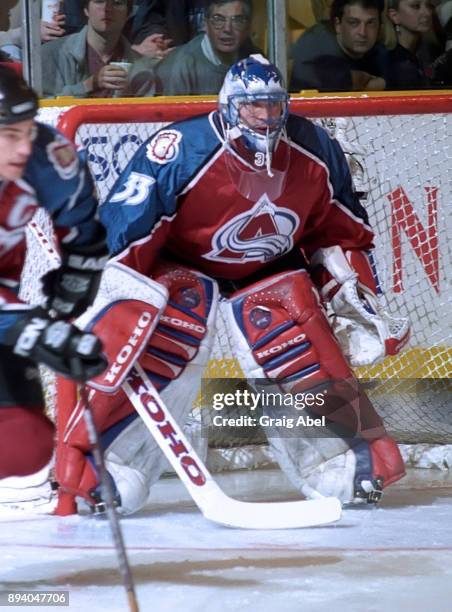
408	21
81	64
199	66
180	20
444	12
410	61
147	29
442	66
343	54
75	18
11	40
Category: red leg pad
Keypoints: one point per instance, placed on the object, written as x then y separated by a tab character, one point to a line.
386	460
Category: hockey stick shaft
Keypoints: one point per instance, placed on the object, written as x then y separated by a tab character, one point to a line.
109	499
211	500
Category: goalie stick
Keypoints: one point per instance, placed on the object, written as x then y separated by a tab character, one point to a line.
210	499
214	504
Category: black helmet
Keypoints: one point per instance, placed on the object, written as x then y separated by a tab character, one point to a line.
17	100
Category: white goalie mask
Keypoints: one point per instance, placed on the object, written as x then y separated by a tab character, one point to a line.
253	105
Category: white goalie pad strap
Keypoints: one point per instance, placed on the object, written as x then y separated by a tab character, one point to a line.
124	314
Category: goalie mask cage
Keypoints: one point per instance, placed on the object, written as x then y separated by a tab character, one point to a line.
399	150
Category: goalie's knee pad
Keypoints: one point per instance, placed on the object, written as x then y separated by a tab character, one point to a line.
184	333
281	333
180	347
281	321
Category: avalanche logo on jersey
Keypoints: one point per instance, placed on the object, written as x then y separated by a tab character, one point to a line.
164	147
260	234
63	157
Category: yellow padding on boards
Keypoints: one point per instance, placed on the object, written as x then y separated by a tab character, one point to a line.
413	363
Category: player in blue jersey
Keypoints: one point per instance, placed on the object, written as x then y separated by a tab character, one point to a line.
249	210
39	167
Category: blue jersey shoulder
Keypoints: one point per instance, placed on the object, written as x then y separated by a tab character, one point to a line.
63	184
148	188
178	151
316	140
53	168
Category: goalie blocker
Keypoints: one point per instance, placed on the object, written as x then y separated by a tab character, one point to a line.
280	333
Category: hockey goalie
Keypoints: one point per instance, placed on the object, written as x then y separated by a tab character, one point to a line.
249	209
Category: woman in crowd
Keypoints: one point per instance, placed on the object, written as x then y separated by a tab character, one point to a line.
411	43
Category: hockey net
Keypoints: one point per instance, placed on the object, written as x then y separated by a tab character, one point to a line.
399	151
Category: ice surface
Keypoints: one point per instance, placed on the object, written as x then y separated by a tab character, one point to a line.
394	557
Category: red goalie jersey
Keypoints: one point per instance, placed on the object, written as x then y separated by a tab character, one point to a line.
178	192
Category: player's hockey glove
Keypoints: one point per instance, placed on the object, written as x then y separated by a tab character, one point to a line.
58	345
72	287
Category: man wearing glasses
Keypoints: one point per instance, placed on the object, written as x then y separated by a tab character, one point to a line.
98	61
199	66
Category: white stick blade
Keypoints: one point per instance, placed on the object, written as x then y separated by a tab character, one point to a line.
277	515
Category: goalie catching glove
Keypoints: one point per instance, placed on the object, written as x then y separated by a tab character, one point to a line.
72	287
58	345
366	333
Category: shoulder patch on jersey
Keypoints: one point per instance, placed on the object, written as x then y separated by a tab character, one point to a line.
164	147
63	156
135	191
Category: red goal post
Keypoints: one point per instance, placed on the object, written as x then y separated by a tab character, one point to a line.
155	111
399	149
